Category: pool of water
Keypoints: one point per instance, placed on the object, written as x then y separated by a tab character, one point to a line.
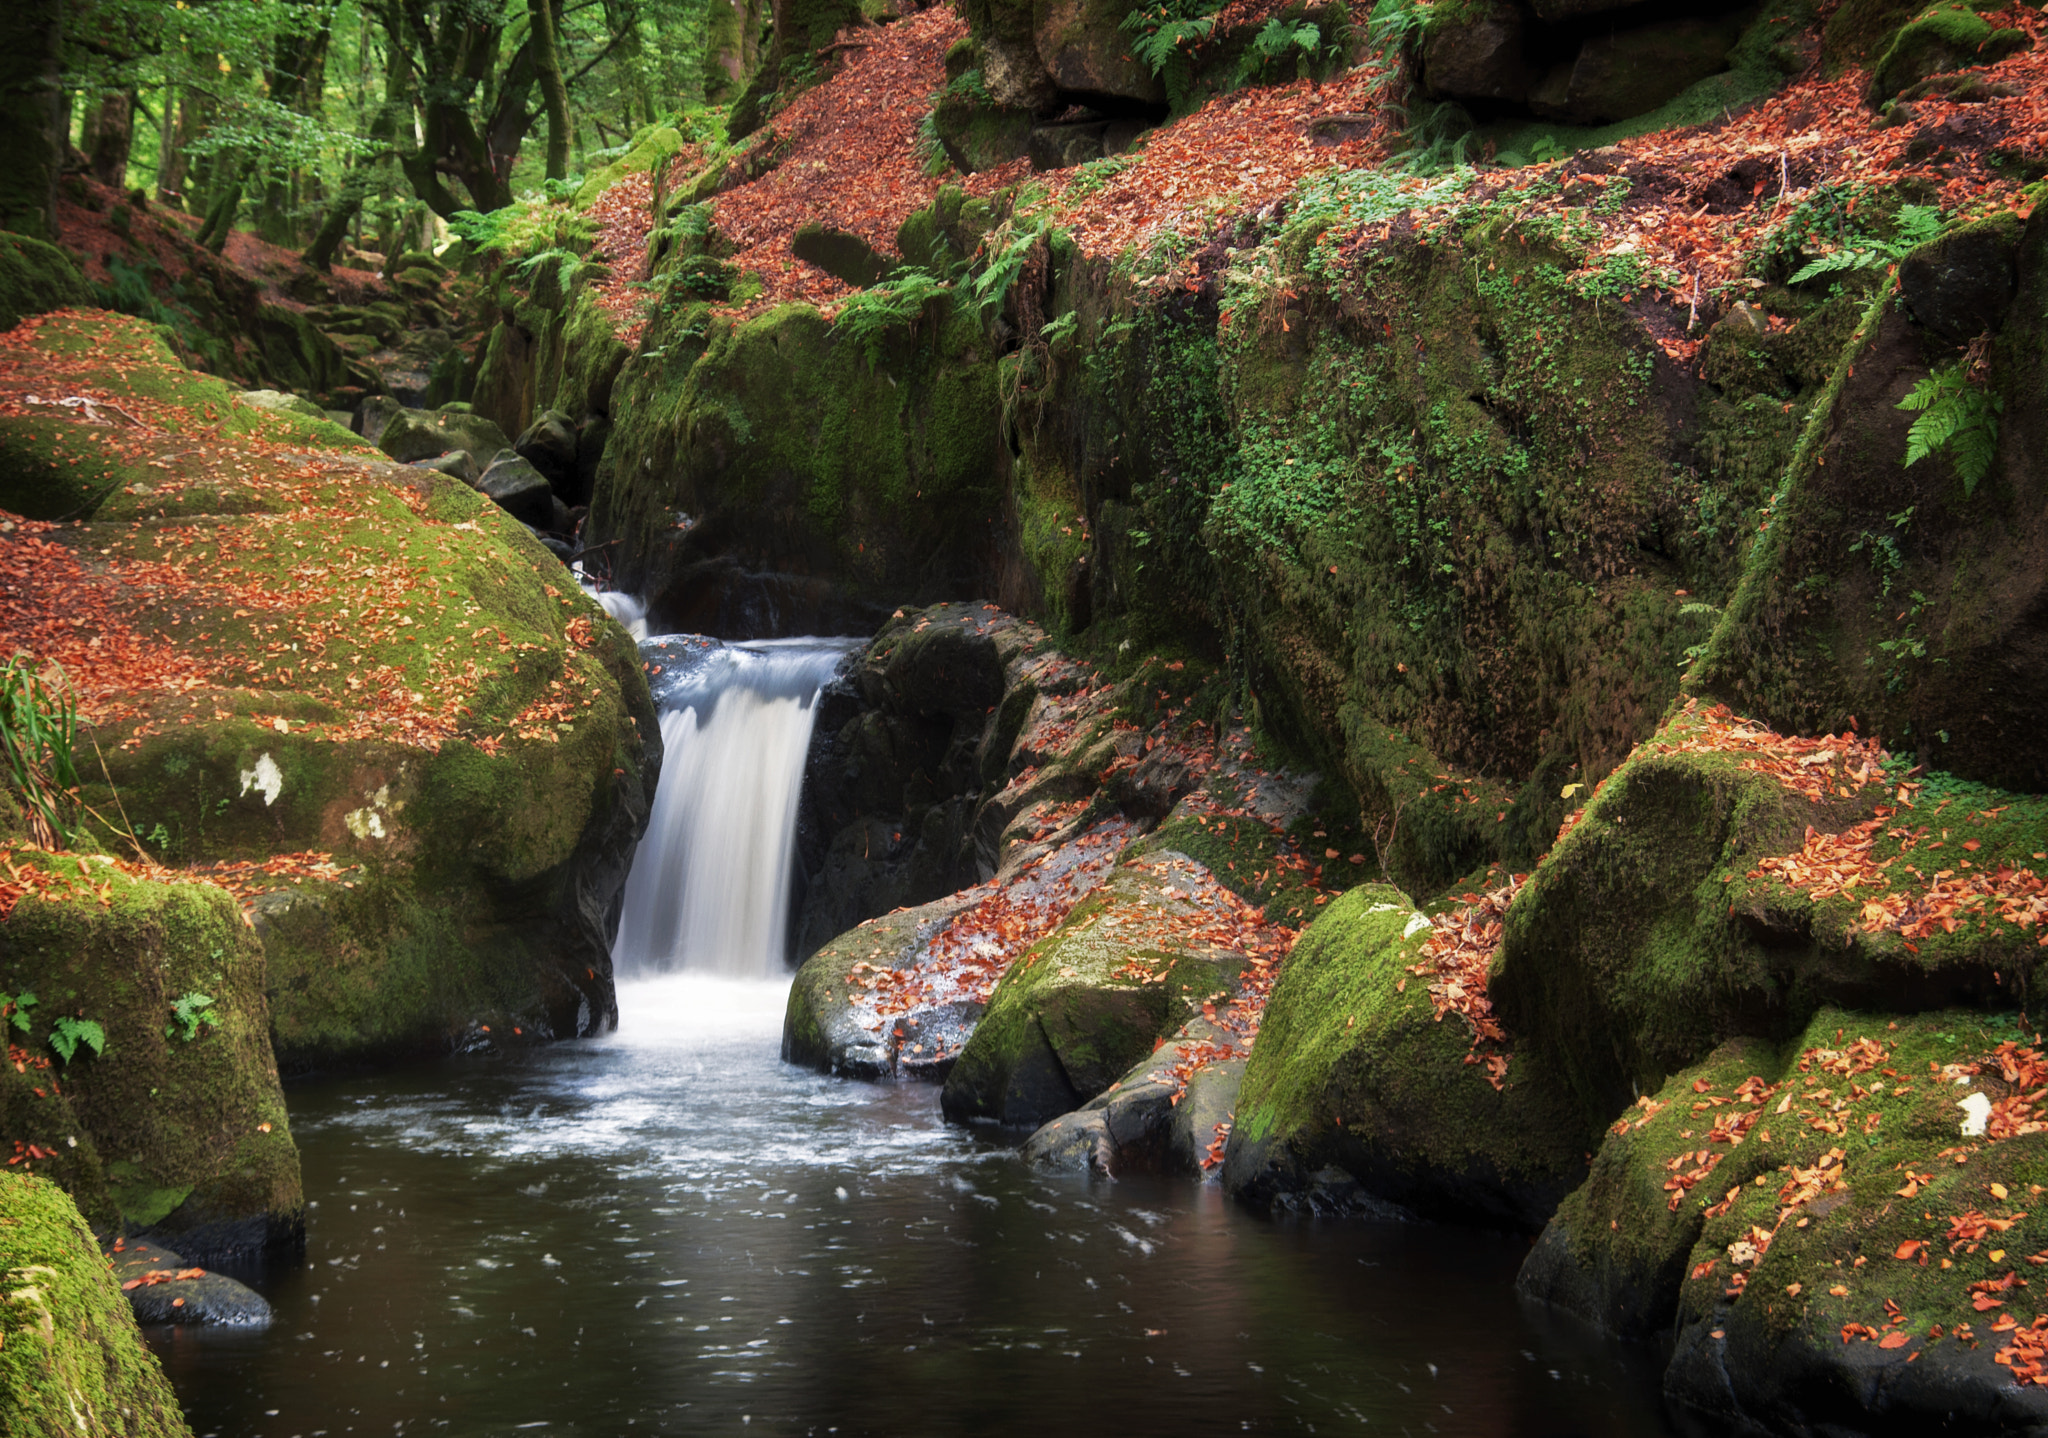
668	1230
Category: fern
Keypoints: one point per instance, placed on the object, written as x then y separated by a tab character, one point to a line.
1956	417
1008	248
896	302
569	264
1914	226
1165	43
1278	42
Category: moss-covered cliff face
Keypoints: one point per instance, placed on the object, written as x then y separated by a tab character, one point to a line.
1915	597
782	446
355	691
71	1358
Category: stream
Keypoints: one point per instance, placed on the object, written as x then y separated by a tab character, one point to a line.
669	1229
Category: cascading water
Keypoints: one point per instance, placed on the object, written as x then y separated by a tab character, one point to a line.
709	889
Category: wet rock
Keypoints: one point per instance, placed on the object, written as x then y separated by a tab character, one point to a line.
412	434
549	445
284	403
520	490
1481	58
832	1023
1147	1121
456	464
1075	1011
1355	1091
1962	285
74	1340
163	1288
1795	1213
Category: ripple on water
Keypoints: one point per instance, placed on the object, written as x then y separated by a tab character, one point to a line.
668	1230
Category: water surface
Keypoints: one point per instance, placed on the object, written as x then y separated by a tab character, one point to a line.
669	1230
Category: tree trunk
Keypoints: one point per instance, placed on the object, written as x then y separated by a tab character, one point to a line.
220	215
554	91
110	135
31	136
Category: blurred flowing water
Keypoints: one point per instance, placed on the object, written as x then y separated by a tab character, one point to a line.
710	885
669	1230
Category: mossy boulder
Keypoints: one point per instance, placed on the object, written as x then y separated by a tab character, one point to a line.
457	754
71	1357
1150	1120
1682	909
421	434
794	453
1834	1239
35	277
1911	597
1940	38
1359	1094
1082	1005
155	1133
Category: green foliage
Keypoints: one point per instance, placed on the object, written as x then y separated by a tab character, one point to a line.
68	1033
14	1008
38	726
1165	38
1958	418
189	1014
1092	176
1916	226
898	301
1281	47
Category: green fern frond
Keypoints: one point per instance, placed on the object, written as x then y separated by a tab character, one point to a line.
1956	417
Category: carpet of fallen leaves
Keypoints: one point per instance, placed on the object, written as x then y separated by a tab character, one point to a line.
1455	959
848	158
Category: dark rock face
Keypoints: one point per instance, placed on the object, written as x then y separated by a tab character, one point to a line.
521	491
549	444
1961	286
839	253
163	1288
1581	62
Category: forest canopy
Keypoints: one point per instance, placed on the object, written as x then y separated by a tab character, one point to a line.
321	120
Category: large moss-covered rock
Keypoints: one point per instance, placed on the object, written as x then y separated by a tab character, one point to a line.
792	452
1078	1008
174	1127
1693	903
71	1358
35	277
1940	38
1910	596
1836	1240
1359	1092
421	434
304	651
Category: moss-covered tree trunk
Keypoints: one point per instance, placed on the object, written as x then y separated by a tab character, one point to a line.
554	90
30	130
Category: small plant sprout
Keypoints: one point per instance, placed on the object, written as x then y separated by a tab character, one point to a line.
189	1015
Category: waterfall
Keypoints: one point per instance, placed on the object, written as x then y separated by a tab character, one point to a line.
710	886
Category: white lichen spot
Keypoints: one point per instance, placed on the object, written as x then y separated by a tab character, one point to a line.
365	823
1415	926
1976	1112
266	779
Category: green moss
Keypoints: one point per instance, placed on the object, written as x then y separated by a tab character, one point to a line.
878	473
1849	1148
203	1119
1071	1014
1353	1071
71	1358
35	277
1942	37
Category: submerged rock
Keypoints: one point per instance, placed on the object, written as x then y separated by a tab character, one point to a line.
163	1288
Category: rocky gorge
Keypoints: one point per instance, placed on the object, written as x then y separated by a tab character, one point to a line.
1452	612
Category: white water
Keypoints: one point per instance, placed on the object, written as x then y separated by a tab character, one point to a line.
709	890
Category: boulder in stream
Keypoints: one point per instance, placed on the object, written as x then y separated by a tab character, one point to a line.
162	1287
